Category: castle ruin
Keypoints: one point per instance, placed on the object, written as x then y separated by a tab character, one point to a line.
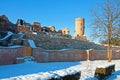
36	27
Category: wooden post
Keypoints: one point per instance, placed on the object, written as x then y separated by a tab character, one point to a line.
88	55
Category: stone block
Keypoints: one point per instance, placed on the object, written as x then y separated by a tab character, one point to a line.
19	60
101	73
75	76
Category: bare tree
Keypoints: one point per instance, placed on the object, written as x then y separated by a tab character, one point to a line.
105	21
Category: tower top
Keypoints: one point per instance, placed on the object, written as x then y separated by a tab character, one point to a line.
79	19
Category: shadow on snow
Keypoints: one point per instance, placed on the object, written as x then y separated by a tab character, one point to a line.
7	71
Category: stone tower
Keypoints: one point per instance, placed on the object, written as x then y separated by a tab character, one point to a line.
79	29
79	26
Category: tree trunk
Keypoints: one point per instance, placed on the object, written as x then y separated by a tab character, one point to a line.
109	44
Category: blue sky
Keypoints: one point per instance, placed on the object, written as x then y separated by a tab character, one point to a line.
59	13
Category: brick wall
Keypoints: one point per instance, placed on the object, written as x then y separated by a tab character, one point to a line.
102	55
98	54
71	55
54	56
116	55
9	55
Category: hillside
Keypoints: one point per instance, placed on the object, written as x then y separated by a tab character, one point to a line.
54	43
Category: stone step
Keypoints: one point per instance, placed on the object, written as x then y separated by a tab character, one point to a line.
24	59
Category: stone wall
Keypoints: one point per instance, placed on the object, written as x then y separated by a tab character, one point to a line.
71	55
102	55
98	54
58	55
9	55
116	55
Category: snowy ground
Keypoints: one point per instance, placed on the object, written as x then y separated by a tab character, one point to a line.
41	71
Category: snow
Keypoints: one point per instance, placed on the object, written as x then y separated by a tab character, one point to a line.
31	70
26	58
105	65
32	44
30	67
117	50
16	46
64	49
8	35
58	50
34	33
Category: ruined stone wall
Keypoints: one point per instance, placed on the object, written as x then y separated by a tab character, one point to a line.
115	55
23	29
9	55
71	55
98	54
52	28
65	31
102	54
58	55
